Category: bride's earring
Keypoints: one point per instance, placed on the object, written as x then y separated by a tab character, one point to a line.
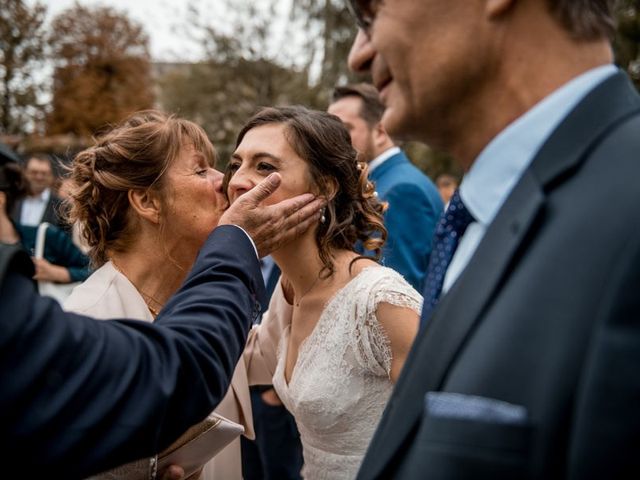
323	218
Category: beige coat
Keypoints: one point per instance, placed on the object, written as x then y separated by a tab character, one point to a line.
261	352
109	294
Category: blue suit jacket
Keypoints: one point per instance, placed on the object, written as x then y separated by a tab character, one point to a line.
414	209
78	396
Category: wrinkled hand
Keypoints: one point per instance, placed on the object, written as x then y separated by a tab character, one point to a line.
272	226
49	272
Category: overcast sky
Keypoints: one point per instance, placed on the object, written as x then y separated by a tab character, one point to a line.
164	20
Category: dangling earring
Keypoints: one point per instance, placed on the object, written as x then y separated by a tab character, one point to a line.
323	218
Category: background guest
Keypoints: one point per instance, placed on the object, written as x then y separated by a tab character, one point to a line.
414	205
41	204
63	262
447	185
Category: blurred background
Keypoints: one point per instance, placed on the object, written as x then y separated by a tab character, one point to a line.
70	69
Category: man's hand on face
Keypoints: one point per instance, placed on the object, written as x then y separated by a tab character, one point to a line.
272	226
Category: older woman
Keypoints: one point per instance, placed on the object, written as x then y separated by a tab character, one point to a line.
146	197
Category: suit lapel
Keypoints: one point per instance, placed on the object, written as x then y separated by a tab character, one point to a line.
453	321
458	312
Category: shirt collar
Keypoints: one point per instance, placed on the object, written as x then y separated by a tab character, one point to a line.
503	161
43	197
383	157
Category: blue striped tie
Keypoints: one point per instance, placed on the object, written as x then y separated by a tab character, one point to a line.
452	225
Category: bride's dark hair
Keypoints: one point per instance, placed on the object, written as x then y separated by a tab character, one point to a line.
353	212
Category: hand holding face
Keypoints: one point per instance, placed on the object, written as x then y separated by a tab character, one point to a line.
272	226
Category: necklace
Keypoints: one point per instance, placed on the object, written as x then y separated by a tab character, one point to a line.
297	303
145	296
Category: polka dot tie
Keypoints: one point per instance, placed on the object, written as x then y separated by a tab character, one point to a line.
452	225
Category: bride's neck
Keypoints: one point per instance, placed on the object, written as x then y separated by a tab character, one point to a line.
300	263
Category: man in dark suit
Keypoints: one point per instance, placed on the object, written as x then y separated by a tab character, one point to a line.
79	396
41	205
527	367
414	204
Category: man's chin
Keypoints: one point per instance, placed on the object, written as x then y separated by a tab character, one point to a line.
395	124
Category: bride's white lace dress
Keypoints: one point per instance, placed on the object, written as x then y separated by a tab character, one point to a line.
340	383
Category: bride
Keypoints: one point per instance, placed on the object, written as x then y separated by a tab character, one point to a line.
352	321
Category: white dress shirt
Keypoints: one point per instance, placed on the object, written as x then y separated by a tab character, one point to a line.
33	208
495	172
383	157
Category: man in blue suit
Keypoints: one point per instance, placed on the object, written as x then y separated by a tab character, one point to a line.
414	205
79	396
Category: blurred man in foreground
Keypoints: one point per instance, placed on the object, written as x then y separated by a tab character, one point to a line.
527	365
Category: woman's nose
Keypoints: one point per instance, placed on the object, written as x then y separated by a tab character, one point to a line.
218	178
240	183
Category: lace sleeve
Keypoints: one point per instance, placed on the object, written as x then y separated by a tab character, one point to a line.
372	347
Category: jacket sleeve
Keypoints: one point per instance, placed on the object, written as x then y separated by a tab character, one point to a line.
65	253
80	396
410	222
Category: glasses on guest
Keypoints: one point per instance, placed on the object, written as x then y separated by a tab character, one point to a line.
364	12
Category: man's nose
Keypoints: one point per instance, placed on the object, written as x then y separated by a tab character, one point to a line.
361	53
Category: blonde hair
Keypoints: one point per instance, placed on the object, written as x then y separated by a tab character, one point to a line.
133	156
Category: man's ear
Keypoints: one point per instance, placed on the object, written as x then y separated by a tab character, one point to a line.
381	138
495	8
146	203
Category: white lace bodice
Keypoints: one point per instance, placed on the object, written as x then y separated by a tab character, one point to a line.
340	383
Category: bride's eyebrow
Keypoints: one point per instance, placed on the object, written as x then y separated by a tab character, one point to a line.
258	156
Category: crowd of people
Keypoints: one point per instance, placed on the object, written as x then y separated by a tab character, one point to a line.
397	328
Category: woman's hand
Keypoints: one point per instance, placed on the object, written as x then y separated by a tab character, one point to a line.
271	398
176	472
48	272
